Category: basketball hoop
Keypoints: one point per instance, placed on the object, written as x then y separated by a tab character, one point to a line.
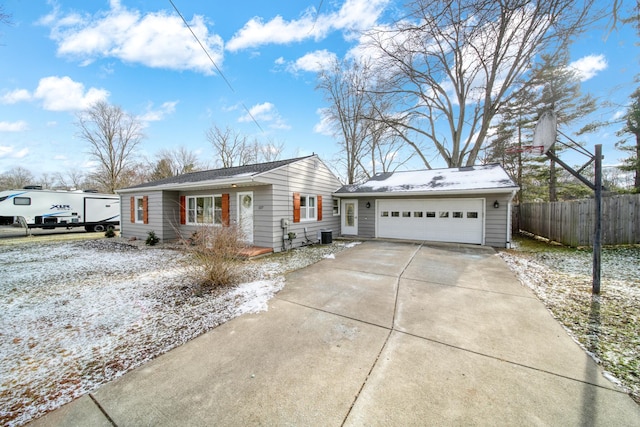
546	131
528	149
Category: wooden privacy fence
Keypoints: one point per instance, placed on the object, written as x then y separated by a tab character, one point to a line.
572	222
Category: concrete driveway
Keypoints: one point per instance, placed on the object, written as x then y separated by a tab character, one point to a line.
385	334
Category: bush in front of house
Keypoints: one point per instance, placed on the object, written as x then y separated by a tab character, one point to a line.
152	239
110	232
216	255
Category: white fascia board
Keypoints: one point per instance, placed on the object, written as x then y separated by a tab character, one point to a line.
217	183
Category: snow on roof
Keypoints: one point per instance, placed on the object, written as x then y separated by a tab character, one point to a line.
465	179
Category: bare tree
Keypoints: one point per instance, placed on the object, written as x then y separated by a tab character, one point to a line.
235	149
16	178
345	88
174	162
229	146
452	65
113	136
72	179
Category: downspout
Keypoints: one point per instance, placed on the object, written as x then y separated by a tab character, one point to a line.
509	215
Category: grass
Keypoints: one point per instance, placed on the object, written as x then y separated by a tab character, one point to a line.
605	325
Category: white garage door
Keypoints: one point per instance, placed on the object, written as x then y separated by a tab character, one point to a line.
441	220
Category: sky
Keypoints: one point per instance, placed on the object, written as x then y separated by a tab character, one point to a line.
59	57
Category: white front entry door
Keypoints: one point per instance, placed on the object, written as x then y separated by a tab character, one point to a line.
245	215
350	217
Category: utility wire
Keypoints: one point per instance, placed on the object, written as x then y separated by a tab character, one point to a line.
214	63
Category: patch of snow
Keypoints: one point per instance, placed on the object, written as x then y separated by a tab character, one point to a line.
330	256
79	314
468	178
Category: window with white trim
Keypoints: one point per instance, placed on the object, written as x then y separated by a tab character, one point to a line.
204	210
139	209
336	207
308	210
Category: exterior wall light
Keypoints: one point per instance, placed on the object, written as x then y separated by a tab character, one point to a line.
368	205
496	205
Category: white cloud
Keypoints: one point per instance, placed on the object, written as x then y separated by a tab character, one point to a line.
8	151
64	94
588	66
314	61
354	15
157	40
18	126
265	113
15	96
156	115
325	125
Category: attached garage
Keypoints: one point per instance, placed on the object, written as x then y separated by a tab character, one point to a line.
444	220
458	205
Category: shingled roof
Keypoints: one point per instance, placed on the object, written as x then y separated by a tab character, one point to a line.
241	173
471	179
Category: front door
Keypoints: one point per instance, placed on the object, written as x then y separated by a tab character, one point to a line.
350	217
245	215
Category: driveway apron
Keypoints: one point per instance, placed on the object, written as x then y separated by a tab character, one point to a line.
387	333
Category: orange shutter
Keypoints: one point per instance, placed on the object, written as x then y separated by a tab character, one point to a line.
183	210
145	209
296	207
132	209
225	209
319	207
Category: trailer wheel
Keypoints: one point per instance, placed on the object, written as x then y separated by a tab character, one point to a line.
98	227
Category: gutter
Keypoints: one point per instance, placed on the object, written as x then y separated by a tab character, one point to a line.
218	183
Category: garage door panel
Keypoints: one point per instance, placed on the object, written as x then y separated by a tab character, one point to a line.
450	220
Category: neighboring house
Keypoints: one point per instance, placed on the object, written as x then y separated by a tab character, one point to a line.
463	205
267	201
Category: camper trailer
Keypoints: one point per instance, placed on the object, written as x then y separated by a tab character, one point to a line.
32	207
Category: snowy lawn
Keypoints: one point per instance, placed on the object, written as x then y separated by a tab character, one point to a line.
78	314
606	326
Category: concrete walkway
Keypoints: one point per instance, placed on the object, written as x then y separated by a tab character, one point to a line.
388	334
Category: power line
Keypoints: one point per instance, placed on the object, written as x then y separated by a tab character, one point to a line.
214	63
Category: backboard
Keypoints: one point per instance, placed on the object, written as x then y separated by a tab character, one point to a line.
546	131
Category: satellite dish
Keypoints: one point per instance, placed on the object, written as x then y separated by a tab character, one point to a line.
546	131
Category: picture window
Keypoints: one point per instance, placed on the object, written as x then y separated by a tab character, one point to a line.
204	210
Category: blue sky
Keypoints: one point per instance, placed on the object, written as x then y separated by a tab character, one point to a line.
60	56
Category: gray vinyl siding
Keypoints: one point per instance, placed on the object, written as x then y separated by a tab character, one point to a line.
156	207
272	201
309	176
497	232
366	217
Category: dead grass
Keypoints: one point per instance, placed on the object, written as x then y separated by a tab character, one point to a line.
605	325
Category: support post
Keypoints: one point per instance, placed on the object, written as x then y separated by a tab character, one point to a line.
597	235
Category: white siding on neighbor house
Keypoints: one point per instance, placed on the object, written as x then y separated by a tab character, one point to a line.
308	176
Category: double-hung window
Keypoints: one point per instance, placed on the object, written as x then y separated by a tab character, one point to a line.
139	206
204	210
308	211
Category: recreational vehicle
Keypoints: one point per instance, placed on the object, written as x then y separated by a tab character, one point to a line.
35	208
